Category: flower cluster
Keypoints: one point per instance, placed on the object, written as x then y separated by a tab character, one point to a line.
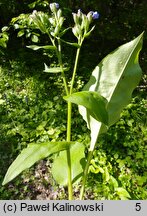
49	24
82	23
40	20
56	20
52	25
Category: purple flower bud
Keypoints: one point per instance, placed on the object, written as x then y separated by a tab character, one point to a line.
95	15
54	6
57	5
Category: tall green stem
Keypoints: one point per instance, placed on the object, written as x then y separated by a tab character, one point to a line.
69	112
59	54
90	153
69	127
74	70
68	151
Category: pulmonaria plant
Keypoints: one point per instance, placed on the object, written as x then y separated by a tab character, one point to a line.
100	103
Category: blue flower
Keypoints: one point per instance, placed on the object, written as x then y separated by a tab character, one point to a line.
95	15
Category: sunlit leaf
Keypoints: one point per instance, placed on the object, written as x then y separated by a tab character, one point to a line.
60	167
2	101
20	33
32	154
114	78
35	38
93	102
106	175
122	193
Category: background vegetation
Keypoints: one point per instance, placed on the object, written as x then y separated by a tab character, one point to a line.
32	111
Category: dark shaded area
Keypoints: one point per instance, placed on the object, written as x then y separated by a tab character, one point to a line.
120	21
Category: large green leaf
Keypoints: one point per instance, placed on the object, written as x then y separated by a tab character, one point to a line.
60	167
93	102
115	79
32	154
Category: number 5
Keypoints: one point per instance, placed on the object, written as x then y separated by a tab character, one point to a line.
138	207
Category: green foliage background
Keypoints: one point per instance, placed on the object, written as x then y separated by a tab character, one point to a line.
31	109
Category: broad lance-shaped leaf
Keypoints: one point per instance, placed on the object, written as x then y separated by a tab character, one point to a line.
93	102
114	78
60	167
32	154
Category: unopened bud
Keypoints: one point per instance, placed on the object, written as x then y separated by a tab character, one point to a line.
76	18
77	31
54	7
59	13
79	13
34	12
33	15
56	31
89	16
61	20
84	22
52	21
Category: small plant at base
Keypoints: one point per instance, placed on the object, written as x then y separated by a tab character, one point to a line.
100	103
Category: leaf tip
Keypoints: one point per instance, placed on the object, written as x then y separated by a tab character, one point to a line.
4	181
